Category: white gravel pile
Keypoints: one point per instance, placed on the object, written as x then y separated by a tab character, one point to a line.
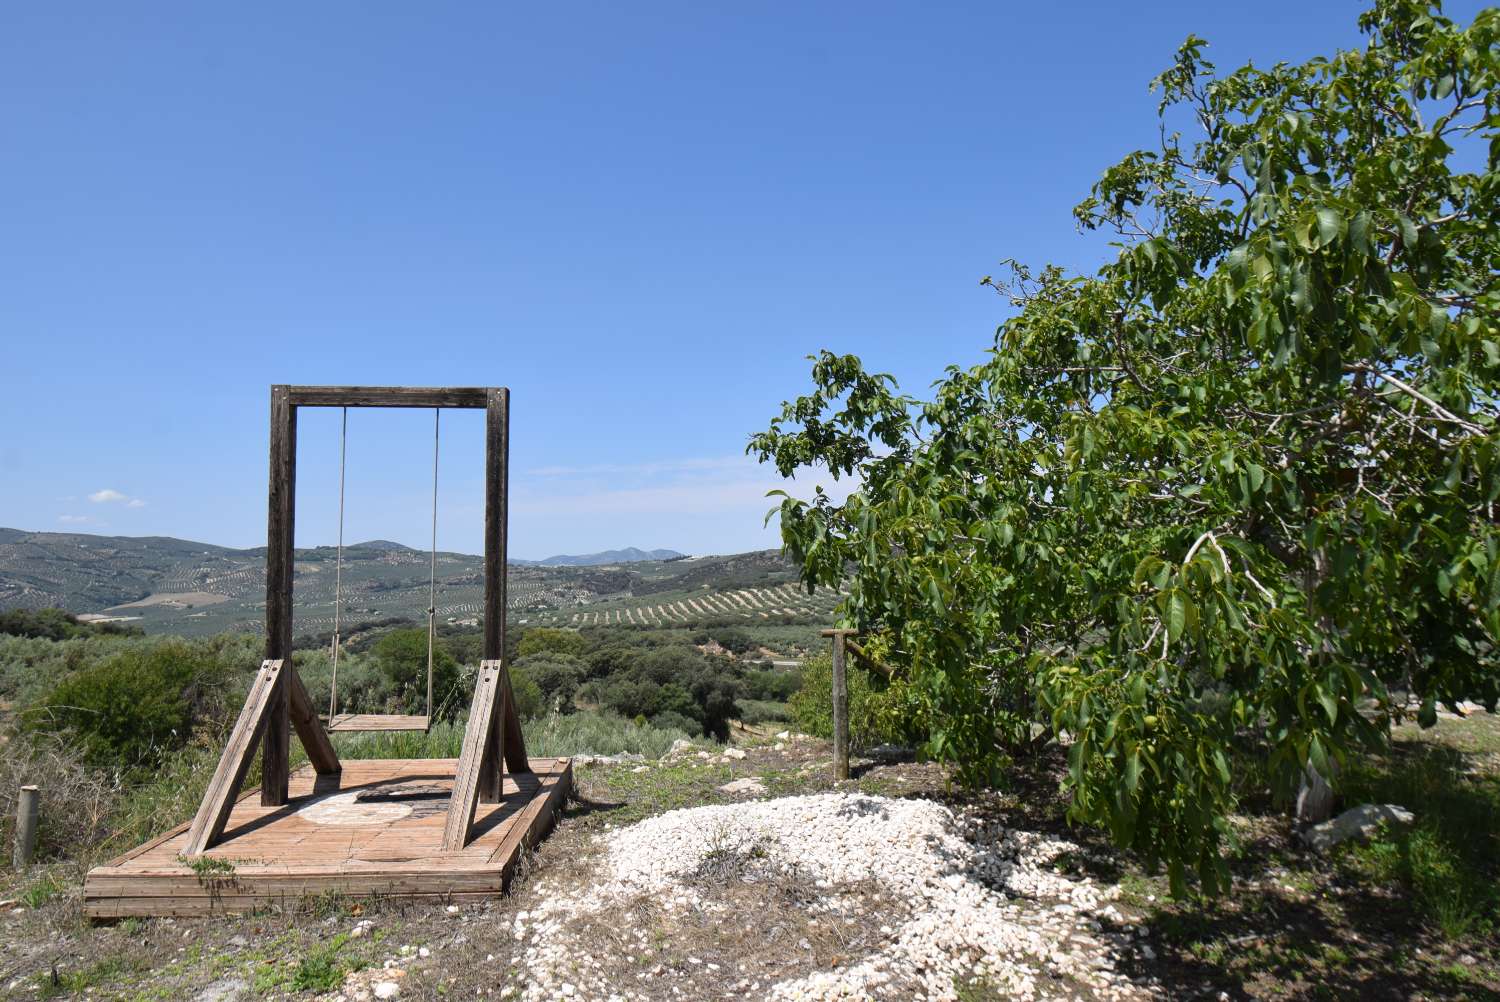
983	901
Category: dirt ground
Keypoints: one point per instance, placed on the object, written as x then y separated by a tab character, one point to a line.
1296	927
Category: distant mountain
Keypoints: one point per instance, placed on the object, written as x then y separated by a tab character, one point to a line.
629	555
179	586
381	544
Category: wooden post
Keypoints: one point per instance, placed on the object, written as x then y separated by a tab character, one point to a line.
840	702
280	534
27	807
504	744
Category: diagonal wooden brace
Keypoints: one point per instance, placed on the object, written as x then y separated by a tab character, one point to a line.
272	680
493	726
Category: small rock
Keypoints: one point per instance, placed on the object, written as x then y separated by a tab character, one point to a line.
387	989
784	736
734	752
224	990
747	785
1357	823
424	952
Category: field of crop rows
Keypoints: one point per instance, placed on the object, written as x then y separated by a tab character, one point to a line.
754	605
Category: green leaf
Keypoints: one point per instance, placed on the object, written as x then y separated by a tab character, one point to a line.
1177	606
1330	226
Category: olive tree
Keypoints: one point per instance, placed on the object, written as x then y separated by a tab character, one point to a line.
1235	490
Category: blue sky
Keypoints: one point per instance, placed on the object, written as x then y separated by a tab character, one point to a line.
639	217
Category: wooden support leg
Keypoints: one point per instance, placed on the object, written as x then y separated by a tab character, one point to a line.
218	801
276	761
309	729
484	714
514	742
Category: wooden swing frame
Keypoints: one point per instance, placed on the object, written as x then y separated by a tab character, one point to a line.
279	702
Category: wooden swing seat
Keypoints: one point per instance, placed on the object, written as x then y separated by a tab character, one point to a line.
346	723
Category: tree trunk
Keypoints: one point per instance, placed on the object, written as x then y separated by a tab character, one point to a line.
1314	798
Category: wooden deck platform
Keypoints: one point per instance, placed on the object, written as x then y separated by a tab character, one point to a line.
374	830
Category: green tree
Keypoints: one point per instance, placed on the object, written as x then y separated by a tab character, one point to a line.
557	676
546	640
1237	488
401	656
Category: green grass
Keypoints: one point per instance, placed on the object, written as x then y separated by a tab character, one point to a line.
1446	862
41	890
85	979
764	711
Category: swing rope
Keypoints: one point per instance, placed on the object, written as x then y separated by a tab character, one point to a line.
338	572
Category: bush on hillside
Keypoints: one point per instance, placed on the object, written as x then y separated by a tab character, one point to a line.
878	712
401	656
57	624
128	710
558	676
546	640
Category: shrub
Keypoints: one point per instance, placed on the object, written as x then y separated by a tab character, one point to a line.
764	711
56	624
558	676
673	721
127	710
771	684
876	715
401	656
545	640
529	701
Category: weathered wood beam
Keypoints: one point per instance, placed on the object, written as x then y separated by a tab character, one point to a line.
471	397
280	533
483	721
320	751
234	763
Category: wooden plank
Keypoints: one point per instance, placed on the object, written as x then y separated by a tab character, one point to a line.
507	738
282	858
234	763
538	817
466	777
468	397
496	513
280	532
378	722
320	751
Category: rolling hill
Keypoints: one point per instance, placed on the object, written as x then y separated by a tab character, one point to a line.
179	586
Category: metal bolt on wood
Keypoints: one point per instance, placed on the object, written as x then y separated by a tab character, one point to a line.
27	809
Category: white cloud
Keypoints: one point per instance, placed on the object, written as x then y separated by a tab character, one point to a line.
111	496
74	519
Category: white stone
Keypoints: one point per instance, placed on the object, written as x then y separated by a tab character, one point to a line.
1356	823
387	989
